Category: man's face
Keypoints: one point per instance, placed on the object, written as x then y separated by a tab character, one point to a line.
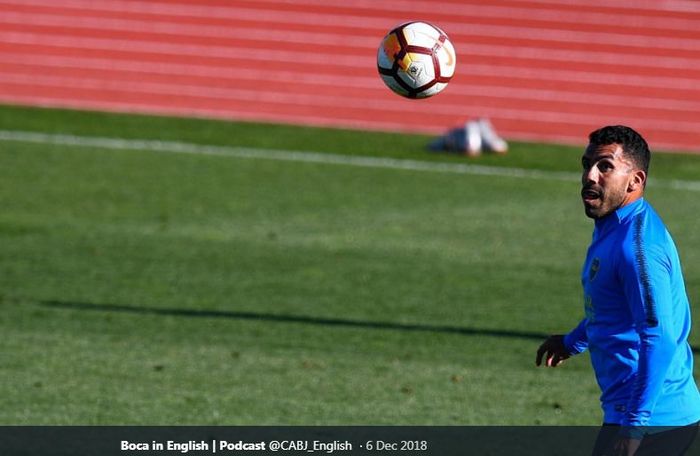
606	178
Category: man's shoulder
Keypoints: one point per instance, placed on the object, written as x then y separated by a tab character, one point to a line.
649	226
645	235
645	223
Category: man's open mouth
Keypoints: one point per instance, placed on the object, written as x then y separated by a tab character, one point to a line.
589	194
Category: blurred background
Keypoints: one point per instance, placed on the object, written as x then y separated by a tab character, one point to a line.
544	70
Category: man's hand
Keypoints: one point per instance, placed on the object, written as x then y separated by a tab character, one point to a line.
553	350
625	446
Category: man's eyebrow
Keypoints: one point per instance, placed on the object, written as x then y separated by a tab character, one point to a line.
598	158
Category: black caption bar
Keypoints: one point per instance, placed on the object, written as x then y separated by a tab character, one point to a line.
322	440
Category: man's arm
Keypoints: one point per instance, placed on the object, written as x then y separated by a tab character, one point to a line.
577	340
646	274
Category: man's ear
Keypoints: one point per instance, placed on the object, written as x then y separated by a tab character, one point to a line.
638	181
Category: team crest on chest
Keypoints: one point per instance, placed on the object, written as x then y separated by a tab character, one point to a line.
593	271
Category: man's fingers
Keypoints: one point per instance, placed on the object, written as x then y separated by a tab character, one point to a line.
559	358
556	359
540	353
550	359
538	359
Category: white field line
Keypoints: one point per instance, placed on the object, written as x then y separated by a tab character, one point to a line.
308	157
514	132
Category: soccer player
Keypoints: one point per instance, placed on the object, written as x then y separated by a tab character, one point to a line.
637	315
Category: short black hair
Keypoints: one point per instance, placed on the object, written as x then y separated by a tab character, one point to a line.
632	143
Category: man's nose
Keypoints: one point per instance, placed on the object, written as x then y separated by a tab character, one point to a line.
590	175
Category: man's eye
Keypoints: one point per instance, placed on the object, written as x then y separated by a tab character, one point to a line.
604	166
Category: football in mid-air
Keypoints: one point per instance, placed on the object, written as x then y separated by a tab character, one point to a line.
416	60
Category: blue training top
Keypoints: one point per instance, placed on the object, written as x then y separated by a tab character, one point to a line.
637	321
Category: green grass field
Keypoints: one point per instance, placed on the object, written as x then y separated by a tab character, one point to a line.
142	287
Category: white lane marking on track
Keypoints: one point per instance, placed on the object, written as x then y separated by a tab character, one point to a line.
309	157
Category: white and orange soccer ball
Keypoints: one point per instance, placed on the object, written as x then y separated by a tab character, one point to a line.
416	60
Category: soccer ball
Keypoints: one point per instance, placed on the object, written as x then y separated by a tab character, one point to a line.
416	60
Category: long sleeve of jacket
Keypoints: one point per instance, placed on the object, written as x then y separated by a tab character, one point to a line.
646	276
576	341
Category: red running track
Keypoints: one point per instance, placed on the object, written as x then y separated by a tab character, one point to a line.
550	70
